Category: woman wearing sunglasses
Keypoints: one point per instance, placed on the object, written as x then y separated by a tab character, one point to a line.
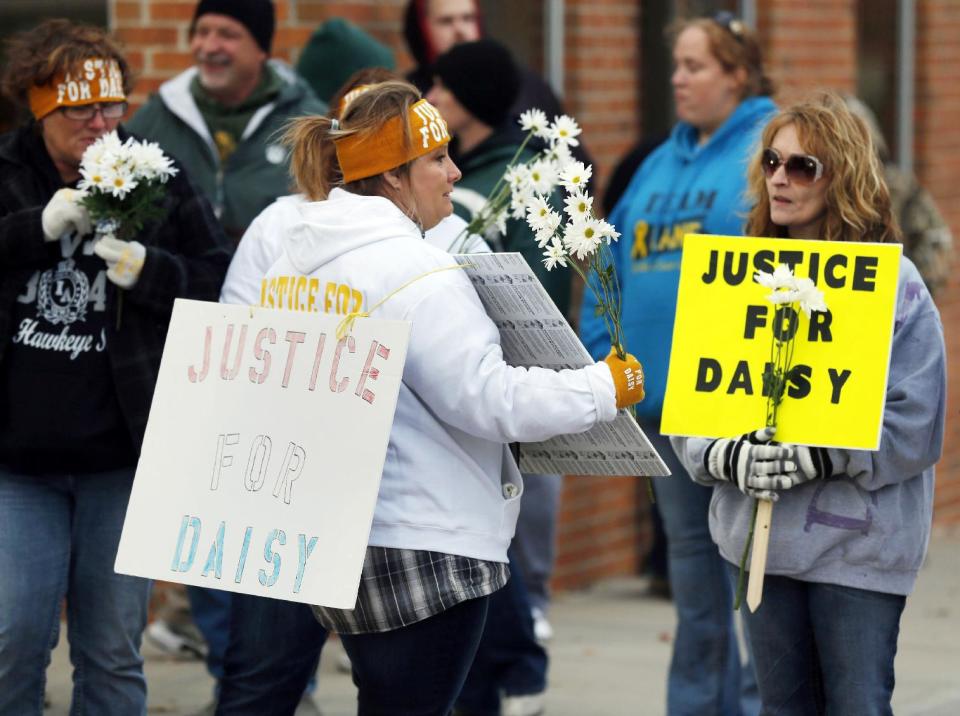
692	183
851	526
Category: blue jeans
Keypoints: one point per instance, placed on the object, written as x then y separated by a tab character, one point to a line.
58	538
271	658
211	612
509	660
535	543
823	648
417	670
705	675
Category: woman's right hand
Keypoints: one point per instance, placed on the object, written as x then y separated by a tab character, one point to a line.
65	212
627	378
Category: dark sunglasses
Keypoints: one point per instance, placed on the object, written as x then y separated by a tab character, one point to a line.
800	168
86	112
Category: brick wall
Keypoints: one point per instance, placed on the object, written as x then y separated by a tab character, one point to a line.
937	157
604	523
602	58
156	32
809	44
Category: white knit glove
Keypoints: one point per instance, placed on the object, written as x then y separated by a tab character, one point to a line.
124	260
744	459
63	213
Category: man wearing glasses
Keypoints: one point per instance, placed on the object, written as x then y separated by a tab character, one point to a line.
76	374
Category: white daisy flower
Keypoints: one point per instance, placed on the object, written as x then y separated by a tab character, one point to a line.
534	120
559	155
810	297
543	176
92	178
548	228
607	231
537	210
501	222
150	162
578	206
120	183
782	277
520	199
582	238
554	255
575	176
517	176
565	130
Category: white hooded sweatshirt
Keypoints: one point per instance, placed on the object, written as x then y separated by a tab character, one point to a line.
449	482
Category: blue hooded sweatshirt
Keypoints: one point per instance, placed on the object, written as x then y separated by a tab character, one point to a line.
681	188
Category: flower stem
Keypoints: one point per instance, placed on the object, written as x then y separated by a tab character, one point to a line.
741	578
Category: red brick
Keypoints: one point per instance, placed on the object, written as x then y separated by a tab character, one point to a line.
138	36
178	11
128	12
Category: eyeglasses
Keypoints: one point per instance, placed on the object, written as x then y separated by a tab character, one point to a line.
799	168
86	112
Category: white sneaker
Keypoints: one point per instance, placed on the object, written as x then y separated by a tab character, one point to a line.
526	705
178	642
542	630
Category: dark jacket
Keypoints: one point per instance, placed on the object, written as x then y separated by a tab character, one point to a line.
534	93
187	257
256	173
482	167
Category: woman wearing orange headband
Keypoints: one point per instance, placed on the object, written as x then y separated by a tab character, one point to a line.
76	385
375	181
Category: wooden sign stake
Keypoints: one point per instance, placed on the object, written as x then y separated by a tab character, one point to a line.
758	559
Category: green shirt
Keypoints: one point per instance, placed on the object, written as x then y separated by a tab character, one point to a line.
226	123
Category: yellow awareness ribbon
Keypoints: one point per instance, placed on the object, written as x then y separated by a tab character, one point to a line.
346	324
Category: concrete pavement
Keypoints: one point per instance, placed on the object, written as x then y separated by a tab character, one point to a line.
611	652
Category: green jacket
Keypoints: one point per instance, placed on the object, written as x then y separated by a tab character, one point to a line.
256	173
481	168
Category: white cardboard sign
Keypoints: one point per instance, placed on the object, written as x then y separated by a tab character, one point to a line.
262	458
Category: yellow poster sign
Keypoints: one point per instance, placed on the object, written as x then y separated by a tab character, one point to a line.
724	330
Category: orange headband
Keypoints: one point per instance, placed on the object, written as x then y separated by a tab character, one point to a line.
352	95
99	80
363	156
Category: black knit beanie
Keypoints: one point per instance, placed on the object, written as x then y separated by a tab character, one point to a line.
482	76
256	15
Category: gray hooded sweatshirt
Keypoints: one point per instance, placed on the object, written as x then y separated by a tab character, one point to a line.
867	525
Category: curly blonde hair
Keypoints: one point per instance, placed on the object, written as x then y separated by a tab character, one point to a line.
857	198
36	56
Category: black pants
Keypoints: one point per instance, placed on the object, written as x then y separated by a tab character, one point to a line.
417	670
